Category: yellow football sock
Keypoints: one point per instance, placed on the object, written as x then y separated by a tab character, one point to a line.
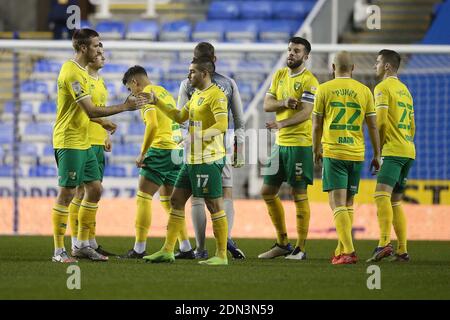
60	214
340	247
276	213
385	216
165	202
343	224
220	229
74	207
174	225
86	218
303	216
143	215
399	222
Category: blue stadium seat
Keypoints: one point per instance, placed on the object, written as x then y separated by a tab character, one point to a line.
241	31
289	10
6	133
7	171
438	32
47	107
27	149
111	30
85	24
115	68
47	66
135	171
43	171
223	10
136	128
31	86
179	30
143	30
48	150
38	129
256	10
277	30
129	149
209	30
115	171
111	87
26	107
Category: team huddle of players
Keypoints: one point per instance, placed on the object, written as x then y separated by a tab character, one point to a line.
199	164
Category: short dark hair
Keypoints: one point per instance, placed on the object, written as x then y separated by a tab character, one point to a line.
204	64
391	57
83	36
133	71
204	49
304	42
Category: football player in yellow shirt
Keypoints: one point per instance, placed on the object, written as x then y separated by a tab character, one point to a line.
100	142
340	109
395	117
202	175
160	159
75	159
291	97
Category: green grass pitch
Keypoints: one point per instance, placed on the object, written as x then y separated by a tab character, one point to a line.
26	272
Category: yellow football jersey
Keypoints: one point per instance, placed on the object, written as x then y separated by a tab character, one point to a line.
392	94
99	93
301	86
168	135
72	123
203	107
343	103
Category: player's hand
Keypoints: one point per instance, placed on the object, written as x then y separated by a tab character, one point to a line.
135	102
375	165
108	144
109	126
238	161
140	161
318	157
291	103
274	125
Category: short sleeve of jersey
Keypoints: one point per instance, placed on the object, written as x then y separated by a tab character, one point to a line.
219	105
309	90
381	97
319	106
370	104
274	85
77	85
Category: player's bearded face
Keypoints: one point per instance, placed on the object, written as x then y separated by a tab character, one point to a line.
194	76
94	49
296	55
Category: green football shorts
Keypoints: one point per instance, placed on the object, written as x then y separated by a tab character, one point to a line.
204	179
394	172
99	152
162	165
341	174
291	164
76	167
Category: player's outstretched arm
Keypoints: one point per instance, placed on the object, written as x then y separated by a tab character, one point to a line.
170	110
371	121
106	124
317	137
132	103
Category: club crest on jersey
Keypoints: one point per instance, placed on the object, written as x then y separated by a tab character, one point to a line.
72	175
297	86
76	86
200	101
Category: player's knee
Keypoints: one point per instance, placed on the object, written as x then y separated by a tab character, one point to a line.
176	204
65	196
214	205
267	191
94	191
198	202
